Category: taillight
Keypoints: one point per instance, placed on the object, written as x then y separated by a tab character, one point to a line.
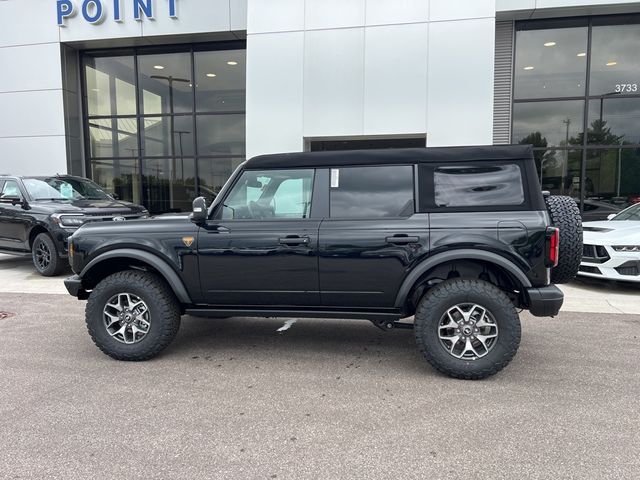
553	246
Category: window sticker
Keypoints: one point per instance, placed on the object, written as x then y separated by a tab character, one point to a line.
66	190
335	178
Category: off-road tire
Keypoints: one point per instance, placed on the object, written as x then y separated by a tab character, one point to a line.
163	308
435	303
565	215
55	264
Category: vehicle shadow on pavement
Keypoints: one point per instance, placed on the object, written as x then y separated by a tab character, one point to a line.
357	343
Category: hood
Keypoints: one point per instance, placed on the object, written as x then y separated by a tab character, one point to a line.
161	223
621	232
92	207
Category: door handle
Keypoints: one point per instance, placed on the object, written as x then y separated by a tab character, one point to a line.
401	239
294	240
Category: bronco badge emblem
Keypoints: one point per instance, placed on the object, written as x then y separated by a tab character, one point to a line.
187	241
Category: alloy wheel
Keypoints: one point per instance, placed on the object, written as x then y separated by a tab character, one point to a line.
467	331
43	255
126	318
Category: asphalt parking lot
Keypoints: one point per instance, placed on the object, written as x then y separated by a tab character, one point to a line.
235	398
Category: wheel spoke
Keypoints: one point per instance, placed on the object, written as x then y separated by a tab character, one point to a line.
452	323
120	331
468	347
112	319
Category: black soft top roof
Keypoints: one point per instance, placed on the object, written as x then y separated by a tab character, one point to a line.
392	156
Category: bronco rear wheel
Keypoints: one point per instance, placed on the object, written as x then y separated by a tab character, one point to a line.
565	215
132	315
467	328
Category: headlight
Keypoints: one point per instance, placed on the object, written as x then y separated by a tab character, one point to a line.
68	220
627	248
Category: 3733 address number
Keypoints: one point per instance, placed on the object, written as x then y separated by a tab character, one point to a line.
626	87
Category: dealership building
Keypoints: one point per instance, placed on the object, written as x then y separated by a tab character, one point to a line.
159	100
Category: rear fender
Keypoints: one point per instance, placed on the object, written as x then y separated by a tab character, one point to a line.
453	255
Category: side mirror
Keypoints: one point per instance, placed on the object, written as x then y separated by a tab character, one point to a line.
611	215
12	199
199	211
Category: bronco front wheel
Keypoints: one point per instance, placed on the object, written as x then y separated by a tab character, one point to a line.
467	328
132	315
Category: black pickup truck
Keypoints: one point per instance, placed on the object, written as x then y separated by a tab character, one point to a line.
459	238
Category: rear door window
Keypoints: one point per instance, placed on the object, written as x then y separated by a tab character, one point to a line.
371	192
478	185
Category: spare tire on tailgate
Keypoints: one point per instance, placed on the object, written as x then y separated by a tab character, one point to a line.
565	215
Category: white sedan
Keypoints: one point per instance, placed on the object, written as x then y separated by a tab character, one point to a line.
611	249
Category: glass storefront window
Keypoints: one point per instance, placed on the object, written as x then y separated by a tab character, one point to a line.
550	63
118	177
165	82
613	175
221	134
559	171
220	81
213	173
169	184
614	121
157	136
110	85
615	61
113	137
149	122
546	124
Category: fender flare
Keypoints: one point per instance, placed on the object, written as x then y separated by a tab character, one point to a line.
458	254
165	270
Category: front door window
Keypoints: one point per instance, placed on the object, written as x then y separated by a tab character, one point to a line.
275	194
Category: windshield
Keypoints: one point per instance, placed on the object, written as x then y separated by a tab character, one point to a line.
66	188
631	213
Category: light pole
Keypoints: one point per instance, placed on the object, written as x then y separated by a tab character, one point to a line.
170	80
565	167
180	133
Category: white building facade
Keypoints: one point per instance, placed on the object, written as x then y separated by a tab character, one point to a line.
147	96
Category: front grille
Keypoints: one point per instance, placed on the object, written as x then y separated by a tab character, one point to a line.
587	269
108	212
594	254
629	268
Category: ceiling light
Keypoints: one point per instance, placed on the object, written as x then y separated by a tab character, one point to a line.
611	64
211	75
232	62
582	54
158	67
528	67
550	44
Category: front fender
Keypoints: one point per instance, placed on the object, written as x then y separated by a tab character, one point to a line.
171	277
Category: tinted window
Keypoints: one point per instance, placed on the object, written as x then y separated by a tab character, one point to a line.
370	192
478	185
10	189
270	194
550	63
614	60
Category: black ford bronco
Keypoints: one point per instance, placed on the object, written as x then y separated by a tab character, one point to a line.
459	238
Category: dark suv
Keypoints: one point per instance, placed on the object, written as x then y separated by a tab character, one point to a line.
460	238
37	214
